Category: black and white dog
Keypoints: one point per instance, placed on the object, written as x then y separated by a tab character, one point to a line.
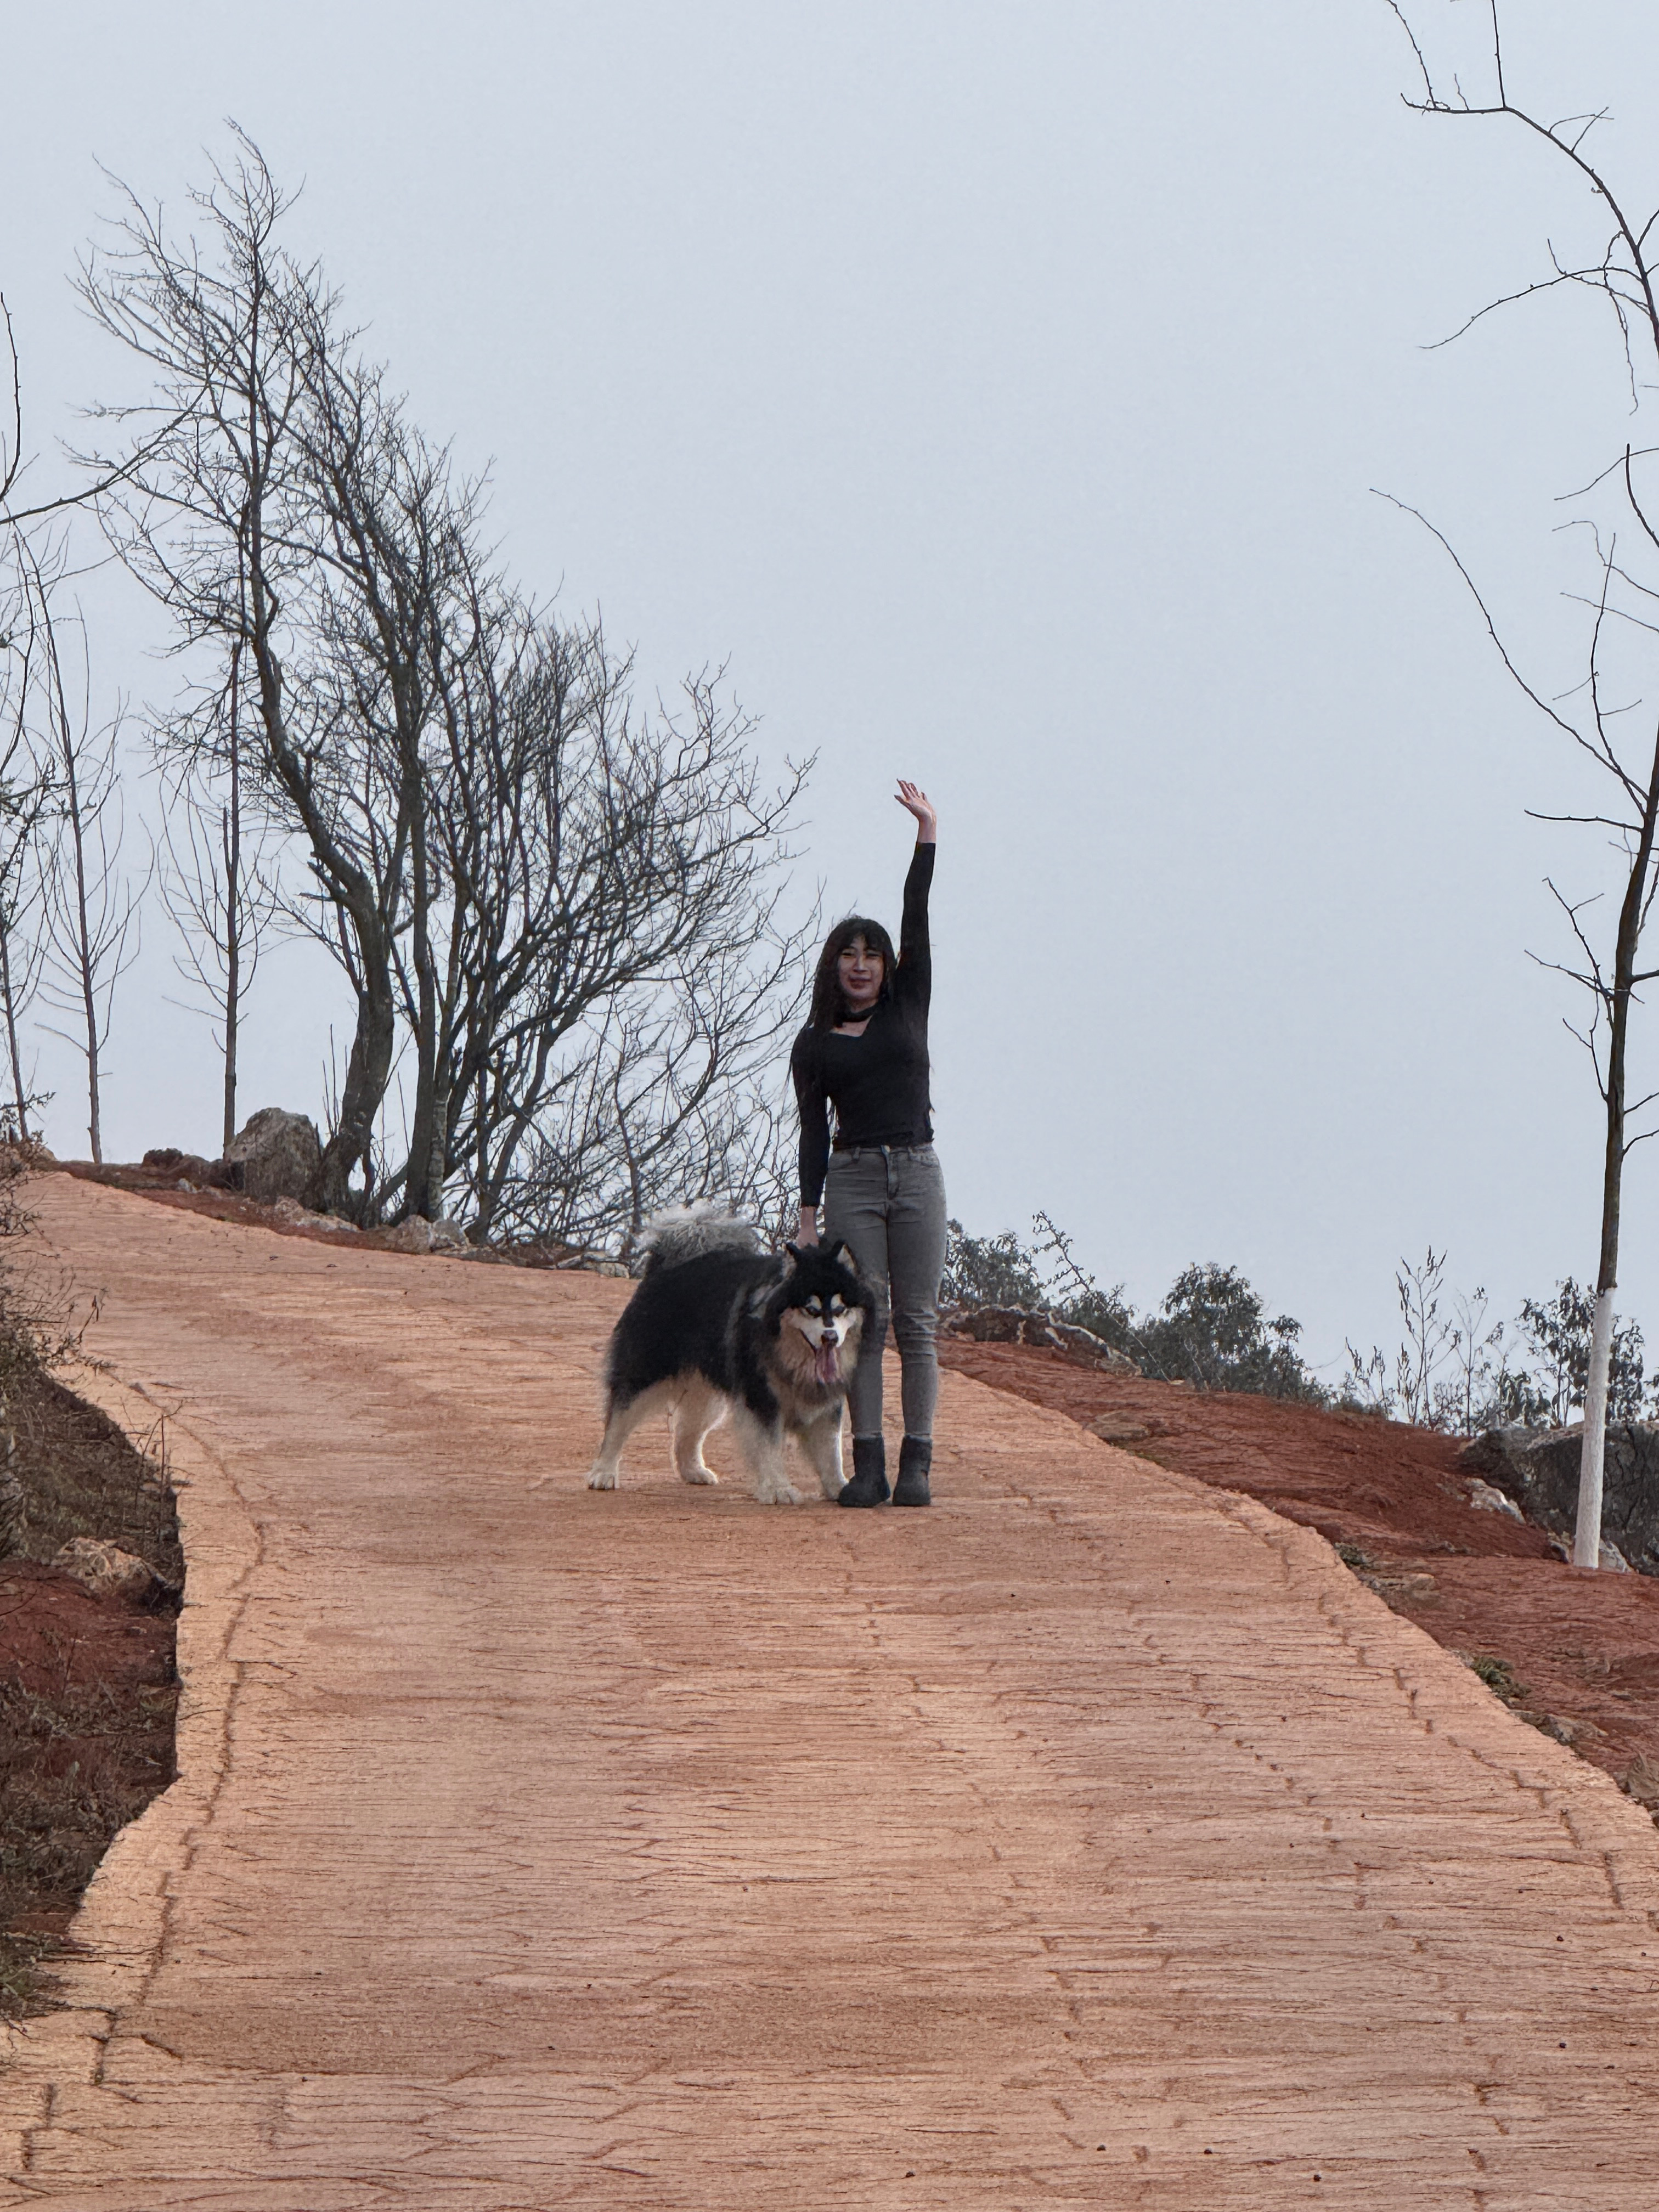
718	1327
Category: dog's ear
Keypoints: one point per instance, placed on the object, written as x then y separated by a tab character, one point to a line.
836	1250
793	1250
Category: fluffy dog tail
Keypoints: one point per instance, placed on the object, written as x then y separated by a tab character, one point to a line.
685	1232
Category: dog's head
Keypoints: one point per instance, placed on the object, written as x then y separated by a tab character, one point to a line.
820	1311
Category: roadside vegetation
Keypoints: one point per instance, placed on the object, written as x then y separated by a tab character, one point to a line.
87	1685
1458	1367
560	907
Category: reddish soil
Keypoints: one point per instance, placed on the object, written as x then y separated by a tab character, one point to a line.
162	1185
1581	1649
86	1697
88	1688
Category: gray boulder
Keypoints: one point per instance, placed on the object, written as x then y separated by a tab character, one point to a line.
1538	1469
104	1569
1014	1325
415	1234
281	1156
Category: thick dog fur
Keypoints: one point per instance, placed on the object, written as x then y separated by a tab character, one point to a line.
718	1327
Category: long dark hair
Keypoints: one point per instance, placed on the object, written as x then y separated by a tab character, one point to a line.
829	1006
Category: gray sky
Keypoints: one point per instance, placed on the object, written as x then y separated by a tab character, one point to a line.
1000	390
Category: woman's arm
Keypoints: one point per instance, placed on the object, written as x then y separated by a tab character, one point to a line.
914	981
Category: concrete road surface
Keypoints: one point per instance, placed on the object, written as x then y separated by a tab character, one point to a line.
1093	1839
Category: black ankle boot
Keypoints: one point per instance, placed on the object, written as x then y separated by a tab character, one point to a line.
915	1458
869	1484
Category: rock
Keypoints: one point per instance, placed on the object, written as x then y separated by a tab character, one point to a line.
1403	1588
1084	1344
1014	1325
1538	1469
416	1234
191	1172
1499	1453
296	1216
1485	1499
1119	1429
281	1156
105	1569
591	1263
413	1235
1565	1730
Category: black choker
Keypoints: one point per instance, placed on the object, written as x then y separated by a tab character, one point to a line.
859	1013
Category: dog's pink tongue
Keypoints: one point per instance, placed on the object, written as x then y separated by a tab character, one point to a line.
828	1367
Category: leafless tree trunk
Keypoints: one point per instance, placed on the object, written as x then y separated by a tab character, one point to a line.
92	909
217	881
1623	273
245	513
241	927
28	785
27	795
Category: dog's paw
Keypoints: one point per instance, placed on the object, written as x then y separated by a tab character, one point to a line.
698	1476
783	1493
603	1478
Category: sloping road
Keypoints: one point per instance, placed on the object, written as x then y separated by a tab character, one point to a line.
1093	1839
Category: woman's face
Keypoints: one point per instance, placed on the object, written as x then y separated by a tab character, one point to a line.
860	972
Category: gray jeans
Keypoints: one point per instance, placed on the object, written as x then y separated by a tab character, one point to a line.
888	1203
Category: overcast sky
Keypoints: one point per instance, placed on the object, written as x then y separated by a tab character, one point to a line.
1000	390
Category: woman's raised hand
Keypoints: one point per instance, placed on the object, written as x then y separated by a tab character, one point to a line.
915	800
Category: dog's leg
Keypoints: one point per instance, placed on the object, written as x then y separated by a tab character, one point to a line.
761	1445
699	1412
619	1426
821	1444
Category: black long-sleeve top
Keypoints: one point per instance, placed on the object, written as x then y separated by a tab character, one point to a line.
877	1082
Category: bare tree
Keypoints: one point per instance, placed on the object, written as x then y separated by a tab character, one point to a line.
25	786
1624	614
28	791
1475	1336
91	907
499	842
11	439
668	1092
280	503
217	880
611	879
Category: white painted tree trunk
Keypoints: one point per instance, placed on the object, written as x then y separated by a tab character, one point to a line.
1587	1530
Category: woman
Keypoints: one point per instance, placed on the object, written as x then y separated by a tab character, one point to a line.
864	1051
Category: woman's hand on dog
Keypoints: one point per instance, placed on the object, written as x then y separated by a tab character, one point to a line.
914	800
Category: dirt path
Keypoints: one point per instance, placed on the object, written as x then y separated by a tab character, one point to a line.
1582	1650
1094	1840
